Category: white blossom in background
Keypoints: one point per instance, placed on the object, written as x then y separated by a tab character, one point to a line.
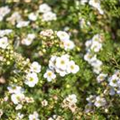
100	101
31	79
101	77
4	42
15	89
49	16
49	75
44	8
34	116
5	32
70	102
32	16
28	40
17	98
96	4
72	67
35	67
15	17
4	10
21	24
63	36
19	116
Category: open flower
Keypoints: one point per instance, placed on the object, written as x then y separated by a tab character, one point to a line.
35	67
31	79
33	116
49	75
72	67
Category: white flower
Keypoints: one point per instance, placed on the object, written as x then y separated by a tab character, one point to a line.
32	17
68	44
18	107
3	12
113	81
101	77
31	79
28	40
52	62
3	42
63	35
62	62
44	8
72	99
44	103
19	116
21	24
49	16
17	98
96	4
49	75
72	67
99	101
96	46
61	72
15	89
5	32
33	116
15	17
35	67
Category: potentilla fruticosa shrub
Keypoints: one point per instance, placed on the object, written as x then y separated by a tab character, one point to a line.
59	59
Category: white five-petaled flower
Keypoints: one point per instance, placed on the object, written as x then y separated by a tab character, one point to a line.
35	67
62	62
49	75
72	67
3	42
31	79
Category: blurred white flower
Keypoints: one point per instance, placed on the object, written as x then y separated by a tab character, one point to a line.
96	4
31	79
49	16
35	67
5	32
100	101
17	98
49	75
21	24
28	40
34	116
32	16
68	44
4	42
72	67
44	8
4	11
15	89
101	77
63	35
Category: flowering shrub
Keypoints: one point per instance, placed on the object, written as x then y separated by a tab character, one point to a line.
59	60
